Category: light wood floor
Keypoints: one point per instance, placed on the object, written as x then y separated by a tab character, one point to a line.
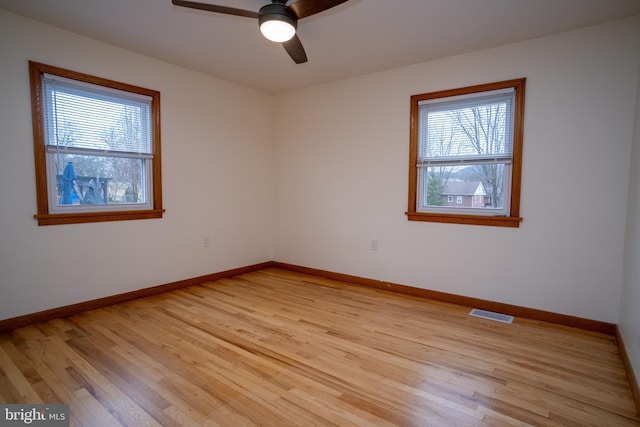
276	348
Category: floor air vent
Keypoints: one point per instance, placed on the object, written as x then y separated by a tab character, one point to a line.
491	315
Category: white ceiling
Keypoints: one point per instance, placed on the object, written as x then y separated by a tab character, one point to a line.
355	38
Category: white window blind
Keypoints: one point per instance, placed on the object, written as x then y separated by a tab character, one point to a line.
474	128
81	117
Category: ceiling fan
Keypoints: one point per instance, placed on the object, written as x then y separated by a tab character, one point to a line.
278	22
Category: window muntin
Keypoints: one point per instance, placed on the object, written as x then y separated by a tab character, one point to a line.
97	148
467	143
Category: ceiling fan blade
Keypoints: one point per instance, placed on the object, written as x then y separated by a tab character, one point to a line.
295	50
218	9
304	8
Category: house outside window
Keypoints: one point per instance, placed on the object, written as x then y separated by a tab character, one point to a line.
467	143
96	146
470	194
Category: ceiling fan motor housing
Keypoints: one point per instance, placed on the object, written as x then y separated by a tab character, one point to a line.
278	12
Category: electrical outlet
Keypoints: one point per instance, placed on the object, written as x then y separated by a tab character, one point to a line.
373	245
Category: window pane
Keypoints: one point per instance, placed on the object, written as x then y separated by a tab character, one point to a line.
96	180
461	187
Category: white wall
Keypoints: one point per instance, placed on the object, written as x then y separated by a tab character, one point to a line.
217	180
341	176
629	322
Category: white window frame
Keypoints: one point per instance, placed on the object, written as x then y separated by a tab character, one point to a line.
506	96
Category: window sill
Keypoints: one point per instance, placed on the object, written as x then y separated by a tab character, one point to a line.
84	217
496	221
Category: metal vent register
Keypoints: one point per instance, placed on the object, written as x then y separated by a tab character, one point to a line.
498	317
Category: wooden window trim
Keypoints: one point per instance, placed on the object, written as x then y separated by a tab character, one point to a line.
514	219
43	216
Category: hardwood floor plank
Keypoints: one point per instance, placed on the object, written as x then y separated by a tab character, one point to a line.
25	390
281	348
93	409
8	391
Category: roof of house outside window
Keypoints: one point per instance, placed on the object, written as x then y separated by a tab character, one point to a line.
464	188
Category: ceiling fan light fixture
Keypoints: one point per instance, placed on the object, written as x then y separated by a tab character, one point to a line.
277	23
277	31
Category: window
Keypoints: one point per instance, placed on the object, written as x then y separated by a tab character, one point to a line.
467	143
96	148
